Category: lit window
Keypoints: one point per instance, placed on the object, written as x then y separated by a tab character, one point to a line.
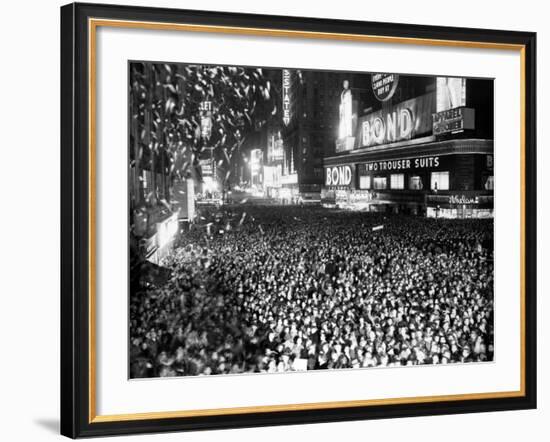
380	182
364	182
397	181
415	183
440	181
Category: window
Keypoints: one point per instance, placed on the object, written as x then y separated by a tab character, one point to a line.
380	182
440	181
397	181
415	183
364	182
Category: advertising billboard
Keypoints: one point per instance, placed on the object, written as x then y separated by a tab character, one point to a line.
453	120
451	93
348	120
384	85
404	121
346	113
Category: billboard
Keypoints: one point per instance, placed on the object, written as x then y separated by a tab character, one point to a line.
451	93
346	112
453	120
404	121
384	85
348	120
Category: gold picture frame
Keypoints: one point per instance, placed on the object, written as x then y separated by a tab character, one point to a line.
80	24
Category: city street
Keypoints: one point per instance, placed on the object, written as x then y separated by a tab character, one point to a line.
289	220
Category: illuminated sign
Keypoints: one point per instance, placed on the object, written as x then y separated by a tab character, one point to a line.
463	199
451	93
166	230
403	121
384	85
453	120
205	106
286	96
207	167
272	176
338	176
344	144
403	164
276	149
388	128
206	126
348	120
289	179
346	112
206	118
255	160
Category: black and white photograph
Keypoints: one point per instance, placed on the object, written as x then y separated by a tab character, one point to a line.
286	219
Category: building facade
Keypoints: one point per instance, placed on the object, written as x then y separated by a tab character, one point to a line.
310	115
424	145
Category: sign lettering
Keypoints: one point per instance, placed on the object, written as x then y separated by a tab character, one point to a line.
403	121
338	176
286	96
384	85
462	199
404	164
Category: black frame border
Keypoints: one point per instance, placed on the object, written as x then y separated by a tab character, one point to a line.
75	219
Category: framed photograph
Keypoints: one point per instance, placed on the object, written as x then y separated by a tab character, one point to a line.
274	220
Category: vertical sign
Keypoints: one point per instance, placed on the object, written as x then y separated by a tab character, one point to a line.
206	118
286	96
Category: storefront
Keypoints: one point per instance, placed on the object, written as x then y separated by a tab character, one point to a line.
460	205
289	191
401	183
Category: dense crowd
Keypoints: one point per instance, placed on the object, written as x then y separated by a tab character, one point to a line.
274	289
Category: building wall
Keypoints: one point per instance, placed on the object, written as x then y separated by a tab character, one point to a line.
313	130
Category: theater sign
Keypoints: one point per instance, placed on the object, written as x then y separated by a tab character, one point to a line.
403	121
286	98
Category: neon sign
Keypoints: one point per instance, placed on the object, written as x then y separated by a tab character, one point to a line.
286	96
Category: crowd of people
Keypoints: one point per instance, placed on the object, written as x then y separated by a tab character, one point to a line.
275	289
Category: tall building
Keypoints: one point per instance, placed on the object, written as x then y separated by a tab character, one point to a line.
310	108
